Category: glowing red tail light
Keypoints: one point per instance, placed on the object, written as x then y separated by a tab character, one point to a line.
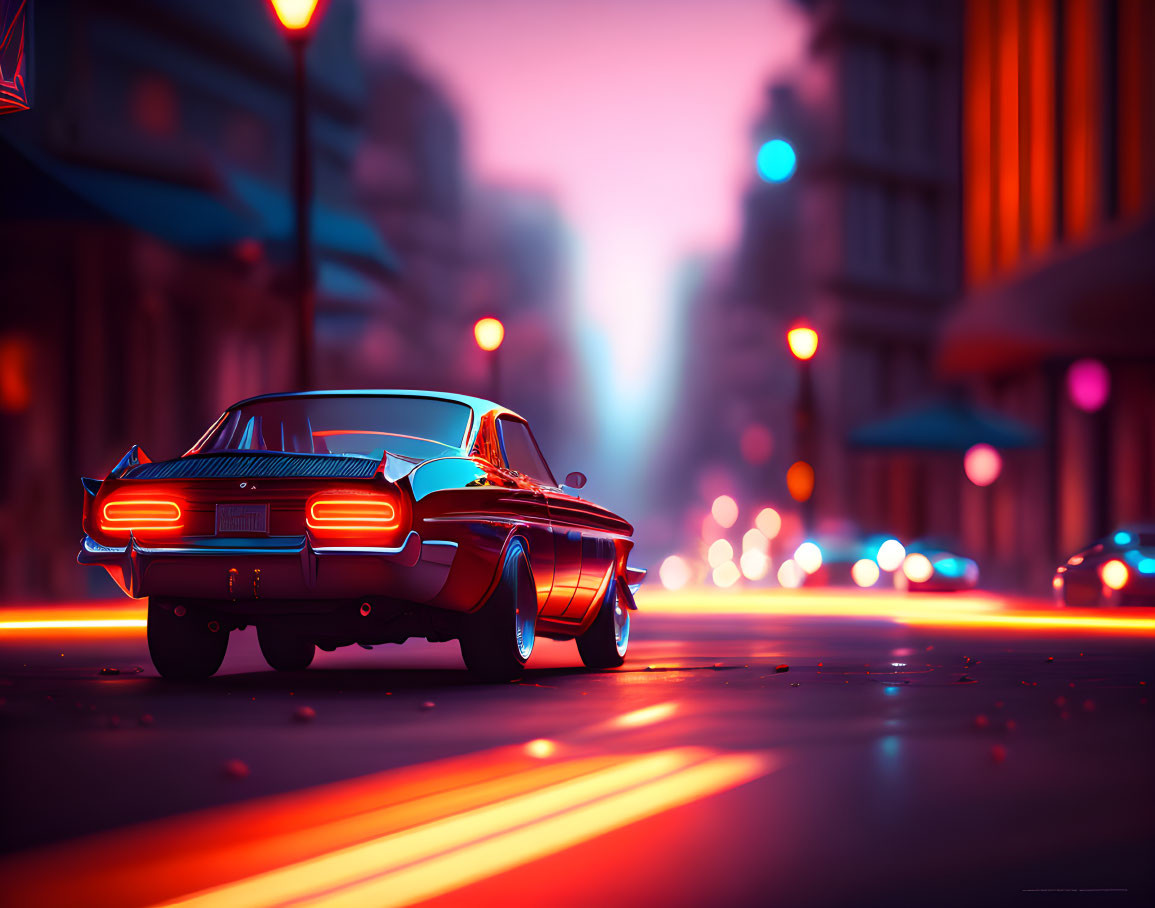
353	514
119	516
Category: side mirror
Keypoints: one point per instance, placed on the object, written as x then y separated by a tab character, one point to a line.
575	480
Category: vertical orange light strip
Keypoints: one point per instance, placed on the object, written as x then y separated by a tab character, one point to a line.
1135	104
1039	31
1007	131
977	174
1082	86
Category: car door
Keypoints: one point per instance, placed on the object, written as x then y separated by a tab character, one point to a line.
530	504
591	529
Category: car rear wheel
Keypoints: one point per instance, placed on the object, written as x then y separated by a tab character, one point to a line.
497	639
184	642
604	643
284	650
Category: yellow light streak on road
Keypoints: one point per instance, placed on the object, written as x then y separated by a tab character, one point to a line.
399	850
405	850
500	853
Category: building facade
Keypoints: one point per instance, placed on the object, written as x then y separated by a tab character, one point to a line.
1059	225
145	246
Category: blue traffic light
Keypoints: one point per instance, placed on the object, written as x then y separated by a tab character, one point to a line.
776	161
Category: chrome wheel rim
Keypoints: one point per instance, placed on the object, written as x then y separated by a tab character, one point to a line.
524	608
621	626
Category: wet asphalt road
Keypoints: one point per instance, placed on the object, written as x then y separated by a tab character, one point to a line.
898	764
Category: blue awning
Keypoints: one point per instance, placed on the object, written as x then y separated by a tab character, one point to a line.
333	230
943	425
38	186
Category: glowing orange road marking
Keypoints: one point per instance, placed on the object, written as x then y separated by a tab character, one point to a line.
451	852
529	843
161	860
648	715
18	622
80	624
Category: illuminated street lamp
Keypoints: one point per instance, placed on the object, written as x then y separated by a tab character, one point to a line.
297	18
489	333
803	343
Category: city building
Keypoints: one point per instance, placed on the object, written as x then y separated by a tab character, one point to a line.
861	243
146	245
1056	321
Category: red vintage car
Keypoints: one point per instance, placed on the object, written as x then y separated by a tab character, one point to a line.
331	518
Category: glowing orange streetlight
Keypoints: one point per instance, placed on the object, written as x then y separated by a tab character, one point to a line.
489	333
803	341
296	18
295	15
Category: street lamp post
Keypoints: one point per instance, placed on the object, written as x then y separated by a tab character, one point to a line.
803	343
297	18
489	333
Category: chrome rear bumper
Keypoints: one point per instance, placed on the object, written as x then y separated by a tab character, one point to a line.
275	567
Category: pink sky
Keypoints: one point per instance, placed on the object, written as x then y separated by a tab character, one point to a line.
634	113
636	116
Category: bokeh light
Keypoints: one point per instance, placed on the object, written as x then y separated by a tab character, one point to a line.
756	444
768	522
1114	574
890	555
540	748
674	572
754	541
803	341
755	565
808	556
917	568
720	552
724	510
776	161
489	333
982	464
1088	384
800	480
864	572
726	574
790	575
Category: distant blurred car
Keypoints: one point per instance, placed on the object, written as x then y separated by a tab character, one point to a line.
1116	570
933	566
839	555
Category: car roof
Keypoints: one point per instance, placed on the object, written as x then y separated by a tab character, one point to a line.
479	405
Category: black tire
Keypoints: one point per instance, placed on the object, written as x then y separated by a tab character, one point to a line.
184	642
497	639
284	650
604	643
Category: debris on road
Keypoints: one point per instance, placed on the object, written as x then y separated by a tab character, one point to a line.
782	668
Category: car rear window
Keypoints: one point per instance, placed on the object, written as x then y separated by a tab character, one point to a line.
419	428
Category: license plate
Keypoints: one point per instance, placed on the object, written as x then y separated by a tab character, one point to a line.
242	519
